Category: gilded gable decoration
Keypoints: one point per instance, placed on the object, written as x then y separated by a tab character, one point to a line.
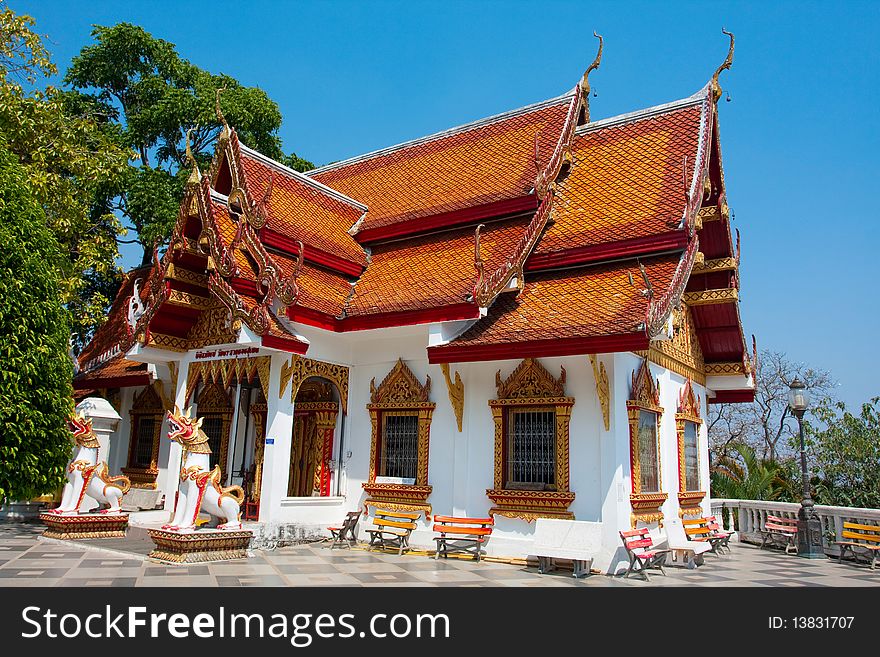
688	411
530	380
602	390
644	396
645	390
400	386
689	403
301	368
225	372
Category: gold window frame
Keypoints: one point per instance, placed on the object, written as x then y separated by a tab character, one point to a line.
688	411
400	392
644	396
146	402
214	402
531	386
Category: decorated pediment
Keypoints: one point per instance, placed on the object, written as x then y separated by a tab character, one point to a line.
530	380
645	389
148	401
688	401
213	399
400	386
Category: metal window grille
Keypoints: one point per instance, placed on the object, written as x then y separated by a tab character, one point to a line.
691	457
531	454
399	453
143	446
213	427
648	462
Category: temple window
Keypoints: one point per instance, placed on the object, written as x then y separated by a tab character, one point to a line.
687	425
146	416
400	415
644	410
531	415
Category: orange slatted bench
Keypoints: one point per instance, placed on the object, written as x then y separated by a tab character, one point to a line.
715	527
392	529
345	535
465	535
860	537
642	553
701	530
782	531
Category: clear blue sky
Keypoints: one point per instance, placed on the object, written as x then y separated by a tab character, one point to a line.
799	139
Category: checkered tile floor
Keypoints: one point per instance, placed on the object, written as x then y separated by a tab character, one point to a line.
25	560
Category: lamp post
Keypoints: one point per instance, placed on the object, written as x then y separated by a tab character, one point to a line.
809	526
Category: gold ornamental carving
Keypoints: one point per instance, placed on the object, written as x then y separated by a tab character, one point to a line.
725	369
644	396
226	372
456	394
301	368
530	379
400	386
688	411
602	390
682	354
711	297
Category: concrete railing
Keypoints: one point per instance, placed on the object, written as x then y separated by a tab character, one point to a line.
747	517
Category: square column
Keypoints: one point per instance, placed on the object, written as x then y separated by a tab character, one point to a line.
278	437
174	453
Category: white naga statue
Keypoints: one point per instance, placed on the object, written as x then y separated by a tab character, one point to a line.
87	476
200	487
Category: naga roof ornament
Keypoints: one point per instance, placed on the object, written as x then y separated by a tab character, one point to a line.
716	87
195	176
585	82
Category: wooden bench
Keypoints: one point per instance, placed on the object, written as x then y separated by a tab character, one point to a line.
345	535
392	529
576	540
781	531
716	529
700	530
465	535
638	544
860	537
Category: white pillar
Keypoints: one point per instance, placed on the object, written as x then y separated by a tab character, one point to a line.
168	449
105	421
279	433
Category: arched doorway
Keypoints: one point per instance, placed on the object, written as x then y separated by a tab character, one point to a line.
315	413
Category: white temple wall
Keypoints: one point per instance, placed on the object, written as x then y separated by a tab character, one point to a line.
117	457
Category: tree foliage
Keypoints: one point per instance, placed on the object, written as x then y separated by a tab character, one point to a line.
742	474
73	162
766	424
845	454
155	97
35	380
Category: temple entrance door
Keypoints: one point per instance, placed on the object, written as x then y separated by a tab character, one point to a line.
311	452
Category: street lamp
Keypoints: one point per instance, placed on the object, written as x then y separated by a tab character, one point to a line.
809	527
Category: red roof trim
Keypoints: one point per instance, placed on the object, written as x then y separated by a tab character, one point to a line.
383	320
672	240
538	348
420	225
112	382
284	344
289	246
244	286
733	397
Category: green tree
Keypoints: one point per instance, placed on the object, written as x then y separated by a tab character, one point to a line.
155	97
35	380
73	161
845	454
741	474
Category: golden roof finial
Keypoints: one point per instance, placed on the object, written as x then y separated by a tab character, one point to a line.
194	176
585	82
219	112
716	88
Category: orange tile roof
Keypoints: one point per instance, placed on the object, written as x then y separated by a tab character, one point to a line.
113	332
627	179
492	160
116	367
319	289
432	270
299	209
576	303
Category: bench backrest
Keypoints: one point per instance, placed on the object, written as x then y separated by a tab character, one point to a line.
463	526
869	534
569	534
636	539
351	521
696	528
780	524
397	519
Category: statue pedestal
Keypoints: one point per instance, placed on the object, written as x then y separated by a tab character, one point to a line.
200	545
85	525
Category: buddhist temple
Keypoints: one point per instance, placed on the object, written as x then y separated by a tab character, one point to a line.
524	317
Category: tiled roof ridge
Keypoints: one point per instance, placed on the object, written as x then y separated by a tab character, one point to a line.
466	127
646	113
301	177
